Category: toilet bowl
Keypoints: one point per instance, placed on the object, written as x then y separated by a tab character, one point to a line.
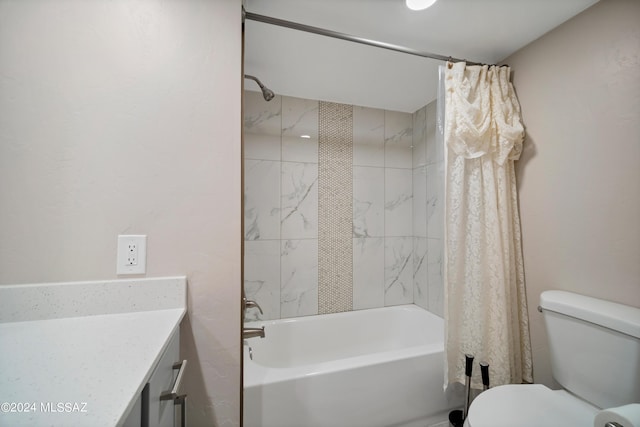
529	406
595	356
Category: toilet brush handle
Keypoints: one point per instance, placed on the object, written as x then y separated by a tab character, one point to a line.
484	369
468	366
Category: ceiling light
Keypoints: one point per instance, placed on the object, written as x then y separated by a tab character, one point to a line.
419	4
305	136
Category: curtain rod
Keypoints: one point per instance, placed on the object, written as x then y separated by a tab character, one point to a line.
348	37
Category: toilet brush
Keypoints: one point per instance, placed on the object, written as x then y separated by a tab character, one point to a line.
456	418
484	369
468	368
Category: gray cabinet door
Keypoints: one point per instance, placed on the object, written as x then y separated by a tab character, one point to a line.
161	412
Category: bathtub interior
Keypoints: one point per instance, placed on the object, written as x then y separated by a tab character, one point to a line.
318	339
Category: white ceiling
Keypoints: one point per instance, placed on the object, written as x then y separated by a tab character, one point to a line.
304	65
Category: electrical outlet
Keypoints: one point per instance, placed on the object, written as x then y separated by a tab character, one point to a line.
132	254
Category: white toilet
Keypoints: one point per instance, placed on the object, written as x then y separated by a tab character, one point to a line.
595	356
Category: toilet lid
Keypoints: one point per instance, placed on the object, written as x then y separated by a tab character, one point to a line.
529	406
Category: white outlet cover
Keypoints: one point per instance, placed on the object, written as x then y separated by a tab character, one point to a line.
123	266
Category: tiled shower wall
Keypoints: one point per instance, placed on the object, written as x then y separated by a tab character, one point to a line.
394	179
428	211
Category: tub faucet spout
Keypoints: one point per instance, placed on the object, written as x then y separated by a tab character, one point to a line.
252	332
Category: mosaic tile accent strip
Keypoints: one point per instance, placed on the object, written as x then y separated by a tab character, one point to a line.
335	208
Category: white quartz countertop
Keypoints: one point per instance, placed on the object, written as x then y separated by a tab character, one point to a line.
80	371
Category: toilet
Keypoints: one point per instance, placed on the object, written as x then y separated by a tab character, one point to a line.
595	357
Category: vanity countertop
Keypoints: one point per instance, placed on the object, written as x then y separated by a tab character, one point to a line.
88	369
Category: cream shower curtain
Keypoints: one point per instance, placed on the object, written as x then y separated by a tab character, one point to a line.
485	301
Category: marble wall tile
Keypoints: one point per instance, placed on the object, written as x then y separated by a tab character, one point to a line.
261	147
261	199
262	126
398	138
262	117
398	206
435	150
420	272
435	200
298	149
368	272
435	282
368	136
368	201
299	200
262	278
299	278
420	201
419	153
398	270
299	117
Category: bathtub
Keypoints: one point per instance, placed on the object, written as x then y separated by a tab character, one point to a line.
376	367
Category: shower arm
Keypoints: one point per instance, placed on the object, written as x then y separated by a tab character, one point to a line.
255	79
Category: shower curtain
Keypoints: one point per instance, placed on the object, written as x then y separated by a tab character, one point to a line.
485	301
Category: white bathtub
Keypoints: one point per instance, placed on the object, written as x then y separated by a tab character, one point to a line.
378	367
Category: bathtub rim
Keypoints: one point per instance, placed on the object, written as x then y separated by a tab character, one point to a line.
317	317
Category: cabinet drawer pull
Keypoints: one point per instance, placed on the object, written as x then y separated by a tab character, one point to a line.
173	394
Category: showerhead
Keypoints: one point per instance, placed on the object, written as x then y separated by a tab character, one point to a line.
267	93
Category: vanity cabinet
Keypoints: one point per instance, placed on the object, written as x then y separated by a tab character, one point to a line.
161	404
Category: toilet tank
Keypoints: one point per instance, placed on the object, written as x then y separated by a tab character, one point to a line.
594	346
